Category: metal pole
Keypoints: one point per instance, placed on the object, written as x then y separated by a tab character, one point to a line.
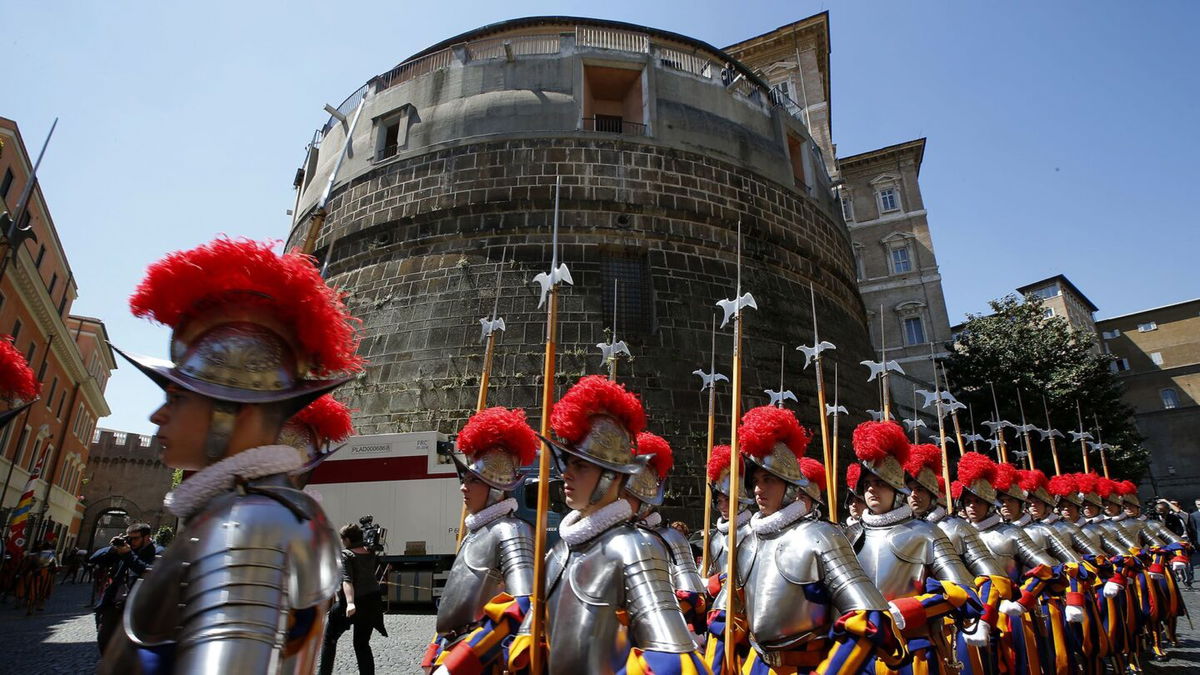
712	424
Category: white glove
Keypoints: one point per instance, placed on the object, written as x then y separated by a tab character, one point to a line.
1179	567
1112	589
1155	575
1012	608
1074	614
897	617
980	636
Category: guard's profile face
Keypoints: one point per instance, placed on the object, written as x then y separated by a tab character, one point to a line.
579	481
1010	508
880	496
1069	511
1038	509
722	504
768	491
973	507
182	427
474	492
1135	511
856	508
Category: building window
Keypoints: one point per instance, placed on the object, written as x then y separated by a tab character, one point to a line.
612	100
16	331
16	453
1047	312
393	135
62	398
901	258
848	209
1147	327
1156	357
889	200
50	398
5	437
795	146
1170	399
1120	365
914	331
40	256
6	184
29	352
1044	292
860	269
53	283
630	271
1111	334
31	460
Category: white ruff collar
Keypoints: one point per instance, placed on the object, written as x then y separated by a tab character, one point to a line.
1098	519
768	525
988	523
195	492
576	528
1024	520
1052	518
1118	518
888	519
937	515
852	521
653	520
743	517
498	510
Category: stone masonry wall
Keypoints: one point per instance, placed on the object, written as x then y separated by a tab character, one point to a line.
416	244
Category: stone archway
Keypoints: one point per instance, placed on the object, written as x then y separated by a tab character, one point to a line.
116	503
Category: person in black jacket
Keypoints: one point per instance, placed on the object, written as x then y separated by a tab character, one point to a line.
359	604
130	557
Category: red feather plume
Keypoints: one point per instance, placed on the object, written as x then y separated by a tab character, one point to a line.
956	489
973	466
289	285
502	428
766	425
923	456
1105	487
853	473
1126	487
718	462
814	471
595	395
1086	482
1031	480
653	444
328	417
875	440
16	378
1063	485
1006	475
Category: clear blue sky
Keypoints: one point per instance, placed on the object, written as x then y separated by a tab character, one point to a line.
1061	135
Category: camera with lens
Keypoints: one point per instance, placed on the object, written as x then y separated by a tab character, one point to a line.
374	535
118	541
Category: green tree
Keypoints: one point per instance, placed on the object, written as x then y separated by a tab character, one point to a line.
164	535
1017	347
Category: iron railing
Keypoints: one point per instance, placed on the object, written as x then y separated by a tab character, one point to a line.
613	125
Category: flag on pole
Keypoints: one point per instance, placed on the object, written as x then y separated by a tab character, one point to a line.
20	515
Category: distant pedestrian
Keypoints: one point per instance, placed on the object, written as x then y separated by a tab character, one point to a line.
127	558
359	604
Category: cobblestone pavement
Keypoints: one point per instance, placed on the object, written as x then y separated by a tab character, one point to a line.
62	640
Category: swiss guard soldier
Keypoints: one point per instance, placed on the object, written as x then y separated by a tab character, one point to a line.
256	336
927	499
809	605
646	489
487	592
909	560
718	478
610	602
855	506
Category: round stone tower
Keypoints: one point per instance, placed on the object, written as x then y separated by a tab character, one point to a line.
662	144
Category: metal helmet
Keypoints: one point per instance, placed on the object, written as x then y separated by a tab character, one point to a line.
882	449
1088	484
924	466
1035	485
1007	482
649	483
249	326
597	420
495	444
1063	487
314	430
718	473
976	473
771	438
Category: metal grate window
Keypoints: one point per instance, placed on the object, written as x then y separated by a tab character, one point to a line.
634	293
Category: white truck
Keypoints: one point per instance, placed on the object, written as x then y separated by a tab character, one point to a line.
408	483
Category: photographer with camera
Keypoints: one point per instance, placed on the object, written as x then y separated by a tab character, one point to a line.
129	557
359	602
